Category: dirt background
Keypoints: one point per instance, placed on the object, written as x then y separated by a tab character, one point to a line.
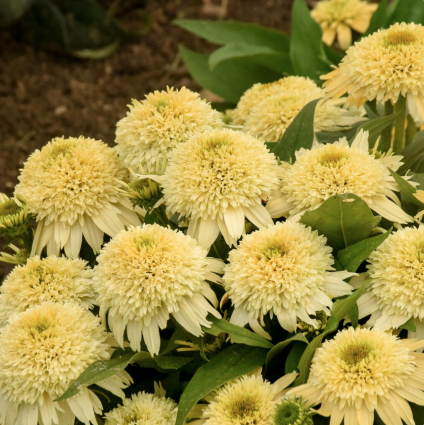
45	95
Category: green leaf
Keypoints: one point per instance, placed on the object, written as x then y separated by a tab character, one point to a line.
418	412
306	48
406	189
413	155
342	307
353	256
409	325
299	134
294	357
407	11
262	55
299	337
307	356
103	369
172	362
238	334
343	219
231	363
79	27
229	79
334	136
353	314
222	32
375	127
379	18
12	10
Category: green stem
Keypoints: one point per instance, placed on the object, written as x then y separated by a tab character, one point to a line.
399	140
411	131
386	137
163	218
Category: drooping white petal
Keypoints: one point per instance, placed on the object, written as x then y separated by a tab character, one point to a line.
208	232
361	141
258	215
279	207
381	205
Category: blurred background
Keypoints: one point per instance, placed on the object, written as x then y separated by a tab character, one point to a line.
47	90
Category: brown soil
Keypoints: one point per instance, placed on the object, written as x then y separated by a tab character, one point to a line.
44	94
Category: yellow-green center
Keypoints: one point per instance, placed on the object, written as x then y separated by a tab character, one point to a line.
243	409
400	38
354	354
8	208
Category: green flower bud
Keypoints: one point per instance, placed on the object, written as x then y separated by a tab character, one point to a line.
14	218
308	330
292	412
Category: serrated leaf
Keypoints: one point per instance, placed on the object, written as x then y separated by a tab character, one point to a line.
299	337
231	363
343	219
222	32
228	80
406	189
103	369
375	127
353	256
262	55
306	48
299	134
238	334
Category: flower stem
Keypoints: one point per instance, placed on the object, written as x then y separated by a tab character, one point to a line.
386	136
399	140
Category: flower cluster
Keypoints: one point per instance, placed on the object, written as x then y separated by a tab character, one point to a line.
191	255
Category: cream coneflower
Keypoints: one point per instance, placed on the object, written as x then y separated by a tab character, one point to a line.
42	351
155	126
336	169
273	108
144	409
147	273
243	401
55	279
282	270
382	66
339	17
216	180
363	371
69	186
14	218
396	292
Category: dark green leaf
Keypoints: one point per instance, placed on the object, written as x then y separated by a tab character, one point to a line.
418	178
409	325
172	362
334	136
352	257
262	55
12	10
294	357
406	189
306	48
238	334
413	155
178	335
342	307
343	219
407	11
418	412
379	18
79	27
228	80
222	32
299	134
299	337
353	314
375	127
335	56
307	356
231	363
103	369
